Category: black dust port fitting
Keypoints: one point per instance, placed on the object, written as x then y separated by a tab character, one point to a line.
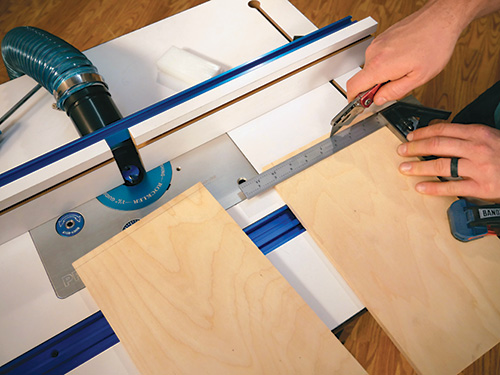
91	108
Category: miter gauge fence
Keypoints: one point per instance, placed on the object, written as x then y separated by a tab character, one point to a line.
401	117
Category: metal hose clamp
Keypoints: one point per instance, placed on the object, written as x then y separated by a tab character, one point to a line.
77	79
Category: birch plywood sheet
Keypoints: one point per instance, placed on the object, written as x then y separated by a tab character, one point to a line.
187	292
438	299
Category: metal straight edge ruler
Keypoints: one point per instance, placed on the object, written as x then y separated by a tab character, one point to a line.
311	156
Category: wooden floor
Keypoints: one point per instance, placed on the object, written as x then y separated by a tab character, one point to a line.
473	68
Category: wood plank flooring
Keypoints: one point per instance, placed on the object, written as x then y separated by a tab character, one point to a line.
473	68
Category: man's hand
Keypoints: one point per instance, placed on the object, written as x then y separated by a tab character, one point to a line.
476	146
414	50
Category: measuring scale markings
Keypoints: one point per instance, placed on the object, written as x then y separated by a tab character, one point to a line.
311	156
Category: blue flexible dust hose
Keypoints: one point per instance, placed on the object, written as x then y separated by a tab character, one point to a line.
75	83
49	60
65	72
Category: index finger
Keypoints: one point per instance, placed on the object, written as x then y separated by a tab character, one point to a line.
360	82
450	130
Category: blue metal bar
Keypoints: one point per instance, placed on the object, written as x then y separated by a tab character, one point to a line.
67	350
274	230
117	130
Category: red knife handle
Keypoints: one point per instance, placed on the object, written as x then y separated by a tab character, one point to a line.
366	98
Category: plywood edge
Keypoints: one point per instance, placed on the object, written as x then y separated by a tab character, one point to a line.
144	221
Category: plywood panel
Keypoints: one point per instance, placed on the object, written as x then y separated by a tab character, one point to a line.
437	298
187	292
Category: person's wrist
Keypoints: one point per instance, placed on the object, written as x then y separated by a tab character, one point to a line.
455	14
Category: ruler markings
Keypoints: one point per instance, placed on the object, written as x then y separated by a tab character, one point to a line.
311	156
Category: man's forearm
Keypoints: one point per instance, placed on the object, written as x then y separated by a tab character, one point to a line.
463	12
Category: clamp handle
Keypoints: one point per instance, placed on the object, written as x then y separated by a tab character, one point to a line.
469	221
